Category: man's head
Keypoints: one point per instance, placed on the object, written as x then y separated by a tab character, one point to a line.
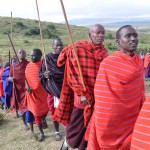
97	34
6	64
36	55
21	54
57	45
127	39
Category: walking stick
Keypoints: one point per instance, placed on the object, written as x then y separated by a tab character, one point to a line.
40	27
74	48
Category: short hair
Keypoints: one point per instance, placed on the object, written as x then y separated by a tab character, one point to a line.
38	51
119	30
7	64
57	39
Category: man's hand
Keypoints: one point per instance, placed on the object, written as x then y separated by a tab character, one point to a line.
47	74
29	90
84	100
11	79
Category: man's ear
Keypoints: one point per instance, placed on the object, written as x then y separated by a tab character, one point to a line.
89	35
118	42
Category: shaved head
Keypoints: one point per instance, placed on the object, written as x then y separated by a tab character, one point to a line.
97	34
92	28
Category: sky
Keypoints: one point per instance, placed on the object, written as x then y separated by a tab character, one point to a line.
50	10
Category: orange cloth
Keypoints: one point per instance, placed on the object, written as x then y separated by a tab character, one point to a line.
36	102
146	60
1	83
119	94
141	133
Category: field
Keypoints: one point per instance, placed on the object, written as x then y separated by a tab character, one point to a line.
13	137
25	34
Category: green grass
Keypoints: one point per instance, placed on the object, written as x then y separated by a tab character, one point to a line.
29	42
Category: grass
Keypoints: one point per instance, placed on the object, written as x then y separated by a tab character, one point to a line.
29	42
13	137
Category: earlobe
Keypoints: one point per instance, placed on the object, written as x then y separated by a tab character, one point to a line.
117	41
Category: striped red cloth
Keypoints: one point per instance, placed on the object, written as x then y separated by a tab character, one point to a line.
119	93
141	133
36	102
146	60
90	57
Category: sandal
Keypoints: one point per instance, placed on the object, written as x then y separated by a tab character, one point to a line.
40	137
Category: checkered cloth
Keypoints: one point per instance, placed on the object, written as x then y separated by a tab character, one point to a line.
90	57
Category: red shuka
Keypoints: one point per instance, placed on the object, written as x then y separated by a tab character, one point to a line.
17	100
90	57
119	94
141	133
36	102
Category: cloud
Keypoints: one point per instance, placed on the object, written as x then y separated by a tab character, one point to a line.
51	10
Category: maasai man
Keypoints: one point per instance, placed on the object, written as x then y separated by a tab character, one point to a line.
7	86
141	132
119	94
1	87
53	86
36	96
73	109
147	65
17	76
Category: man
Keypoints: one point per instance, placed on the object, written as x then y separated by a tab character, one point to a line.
119	94
147	65
52	80
74	109
7	86
141	133
36	96
17	76
1	87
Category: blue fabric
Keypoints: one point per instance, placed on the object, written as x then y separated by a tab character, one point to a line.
29	117
148	71
7	87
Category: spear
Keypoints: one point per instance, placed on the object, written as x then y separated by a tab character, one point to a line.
40	27
74	48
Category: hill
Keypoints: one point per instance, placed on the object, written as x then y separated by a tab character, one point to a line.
26	35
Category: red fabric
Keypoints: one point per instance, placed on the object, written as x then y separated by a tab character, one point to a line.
90	56
141	133
119	95
38	119
36	102
146	60
50	102
1	83
18	72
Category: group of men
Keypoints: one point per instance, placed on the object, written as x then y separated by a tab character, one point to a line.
99	108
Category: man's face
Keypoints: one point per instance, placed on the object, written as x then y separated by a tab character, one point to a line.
35	57
128	40
57	46
97	35
21	54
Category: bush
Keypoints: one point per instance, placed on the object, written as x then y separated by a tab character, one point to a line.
26	41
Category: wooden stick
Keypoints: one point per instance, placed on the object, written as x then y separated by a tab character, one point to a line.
71	39
40	27
16	56
12	52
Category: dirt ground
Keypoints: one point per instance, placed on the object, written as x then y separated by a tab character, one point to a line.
13	137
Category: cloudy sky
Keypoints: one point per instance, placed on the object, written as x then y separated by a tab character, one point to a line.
50	10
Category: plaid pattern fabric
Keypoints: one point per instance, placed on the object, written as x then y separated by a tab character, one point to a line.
90	57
